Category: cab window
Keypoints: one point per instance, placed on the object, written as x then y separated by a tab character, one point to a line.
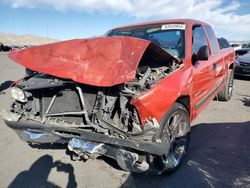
198	39
213	40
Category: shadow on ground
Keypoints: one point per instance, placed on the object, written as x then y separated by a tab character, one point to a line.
240	77
219	156
53	146
246	101
5	85
37	175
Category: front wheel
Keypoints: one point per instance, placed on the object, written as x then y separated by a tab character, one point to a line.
175	128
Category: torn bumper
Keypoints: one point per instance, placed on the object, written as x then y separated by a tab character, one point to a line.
37	132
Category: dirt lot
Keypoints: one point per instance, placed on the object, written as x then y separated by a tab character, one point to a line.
219	154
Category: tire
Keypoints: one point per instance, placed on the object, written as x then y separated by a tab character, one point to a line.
179	136
226	93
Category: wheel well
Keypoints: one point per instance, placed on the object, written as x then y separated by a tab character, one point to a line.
185	101
231	66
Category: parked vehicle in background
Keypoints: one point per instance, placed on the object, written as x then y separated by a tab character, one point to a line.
7	48
244	50
4	48
236	46
242	63
130	95
246	45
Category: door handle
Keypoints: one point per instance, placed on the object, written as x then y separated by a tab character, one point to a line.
214	66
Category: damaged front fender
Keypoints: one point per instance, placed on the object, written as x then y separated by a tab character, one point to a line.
154	103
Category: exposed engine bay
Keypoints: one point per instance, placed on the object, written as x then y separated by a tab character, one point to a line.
104	110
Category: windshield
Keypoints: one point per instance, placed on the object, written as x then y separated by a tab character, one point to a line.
170	37
246	45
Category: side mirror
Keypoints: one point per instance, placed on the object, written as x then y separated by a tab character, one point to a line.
203	53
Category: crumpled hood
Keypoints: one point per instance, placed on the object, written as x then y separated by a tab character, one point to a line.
102	61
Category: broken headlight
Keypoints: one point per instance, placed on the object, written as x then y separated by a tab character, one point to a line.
18	94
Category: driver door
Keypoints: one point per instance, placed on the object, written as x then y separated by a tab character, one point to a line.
202	71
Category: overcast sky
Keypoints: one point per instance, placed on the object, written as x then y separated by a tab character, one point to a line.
65	19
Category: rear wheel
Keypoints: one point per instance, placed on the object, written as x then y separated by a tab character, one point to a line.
175	128
226	93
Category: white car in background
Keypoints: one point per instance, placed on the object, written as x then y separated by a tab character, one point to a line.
236	46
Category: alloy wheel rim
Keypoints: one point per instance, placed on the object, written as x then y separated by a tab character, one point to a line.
177	124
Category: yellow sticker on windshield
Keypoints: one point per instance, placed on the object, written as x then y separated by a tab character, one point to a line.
173	26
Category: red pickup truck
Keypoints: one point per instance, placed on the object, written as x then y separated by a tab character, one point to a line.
130	95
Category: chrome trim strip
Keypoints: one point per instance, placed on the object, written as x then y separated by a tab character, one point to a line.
203	101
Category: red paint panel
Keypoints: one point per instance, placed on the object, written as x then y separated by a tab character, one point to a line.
155	102
103	61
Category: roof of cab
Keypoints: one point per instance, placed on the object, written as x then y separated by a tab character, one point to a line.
186	21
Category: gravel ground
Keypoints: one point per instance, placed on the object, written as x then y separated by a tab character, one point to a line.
219	153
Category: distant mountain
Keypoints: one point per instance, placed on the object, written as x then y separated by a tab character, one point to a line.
12	39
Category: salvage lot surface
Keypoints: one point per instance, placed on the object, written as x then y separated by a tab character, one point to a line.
219	154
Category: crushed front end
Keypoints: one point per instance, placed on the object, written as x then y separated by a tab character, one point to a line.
92	120
60	106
